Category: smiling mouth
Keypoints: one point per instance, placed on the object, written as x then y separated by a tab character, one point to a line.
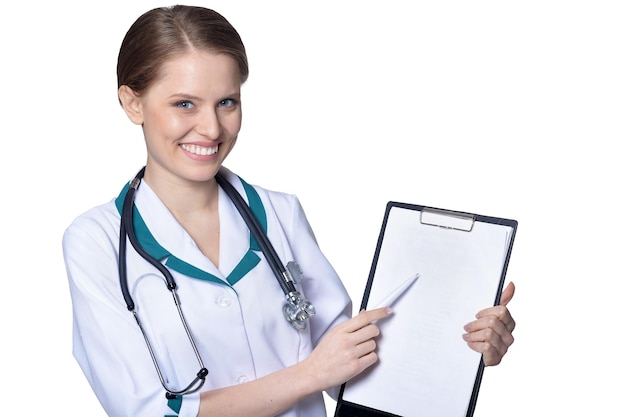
199	150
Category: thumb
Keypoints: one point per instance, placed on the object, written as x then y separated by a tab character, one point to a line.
507	294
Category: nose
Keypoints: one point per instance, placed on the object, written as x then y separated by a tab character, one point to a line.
208	124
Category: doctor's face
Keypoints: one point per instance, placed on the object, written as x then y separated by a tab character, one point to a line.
191	115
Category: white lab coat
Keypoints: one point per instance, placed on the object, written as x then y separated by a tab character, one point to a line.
239	329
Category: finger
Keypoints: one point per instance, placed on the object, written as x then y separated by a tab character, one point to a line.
366	361
507	294
491	331
364	348
490	343
500	313
508	321
365	317
500	322
491	355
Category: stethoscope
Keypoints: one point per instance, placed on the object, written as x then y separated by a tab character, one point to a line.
296	309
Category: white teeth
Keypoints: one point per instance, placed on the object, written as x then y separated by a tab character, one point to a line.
199	150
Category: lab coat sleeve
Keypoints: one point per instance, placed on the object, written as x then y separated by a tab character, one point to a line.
320	284
320	280
107	342
330	297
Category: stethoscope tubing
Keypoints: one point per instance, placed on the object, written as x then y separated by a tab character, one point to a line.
267	248
127	219
129	232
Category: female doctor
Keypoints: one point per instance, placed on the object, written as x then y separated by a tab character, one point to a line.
216	338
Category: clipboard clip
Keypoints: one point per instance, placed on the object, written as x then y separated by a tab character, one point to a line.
447	219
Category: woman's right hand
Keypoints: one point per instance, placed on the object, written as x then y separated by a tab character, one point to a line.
347	349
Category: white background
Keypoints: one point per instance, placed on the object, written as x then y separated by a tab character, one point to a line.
509	109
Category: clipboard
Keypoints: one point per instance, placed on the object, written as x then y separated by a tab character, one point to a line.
425	368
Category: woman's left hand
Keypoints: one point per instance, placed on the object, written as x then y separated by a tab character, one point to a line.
491	332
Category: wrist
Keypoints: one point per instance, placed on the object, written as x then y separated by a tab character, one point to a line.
308	374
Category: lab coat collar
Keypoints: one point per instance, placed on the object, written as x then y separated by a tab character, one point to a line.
249	260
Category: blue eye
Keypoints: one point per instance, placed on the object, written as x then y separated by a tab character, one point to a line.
227	102
185	104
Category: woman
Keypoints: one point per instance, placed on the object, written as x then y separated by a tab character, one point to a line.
180	71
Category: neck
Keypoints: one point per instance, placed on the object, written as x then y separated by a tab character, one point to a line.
184	197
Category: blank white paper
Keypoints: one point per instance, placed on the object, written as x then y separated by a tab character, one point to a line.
425	368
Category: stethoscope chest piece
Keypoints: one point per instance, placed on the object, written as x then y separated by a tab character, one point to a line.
297	309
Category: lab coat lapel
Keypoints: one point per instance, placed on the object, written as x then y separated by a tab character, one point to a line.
164	238
166	230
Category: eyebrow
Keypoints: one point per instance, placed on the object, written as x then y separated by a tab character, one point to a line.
185	96
194	97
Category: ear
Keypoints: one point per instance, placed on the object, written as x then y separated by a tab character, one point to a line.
131	103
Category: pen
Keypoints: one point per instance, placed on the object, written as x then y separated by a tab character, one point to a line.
393	296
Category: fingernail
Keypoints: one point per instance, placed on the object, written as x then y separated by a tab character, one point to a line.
467	327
